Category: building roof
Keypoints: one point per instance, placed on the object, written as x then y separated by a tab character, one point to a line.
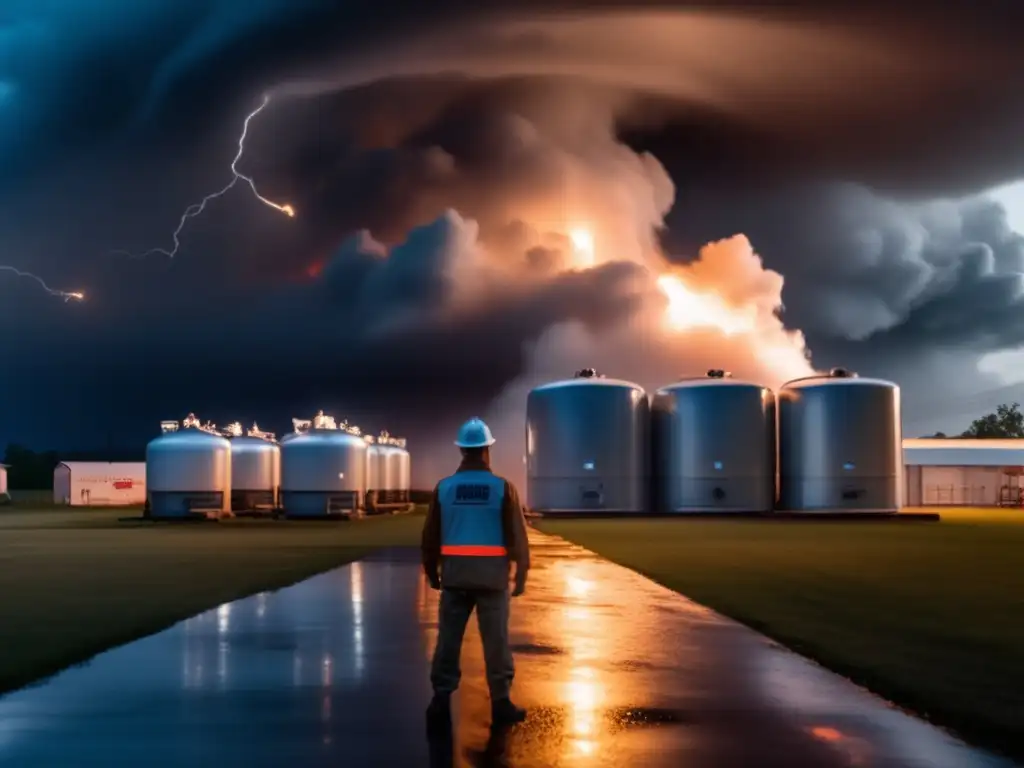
934	452
104	466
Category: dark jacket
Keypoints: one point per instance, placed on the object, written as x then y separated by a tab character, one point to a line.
478	572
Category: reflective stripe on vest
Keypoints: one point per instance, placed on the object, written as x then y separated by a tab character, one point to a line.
474	550
471	503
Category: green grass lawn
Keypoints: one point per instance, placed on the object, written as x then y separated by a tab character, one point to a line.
929	615
74	583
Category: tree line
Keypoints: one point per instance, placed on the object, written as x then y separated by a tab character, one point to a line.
1006	422
30	470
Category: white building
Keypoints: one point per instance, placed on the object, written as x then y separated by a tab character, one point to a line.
962	472
4	493
100	484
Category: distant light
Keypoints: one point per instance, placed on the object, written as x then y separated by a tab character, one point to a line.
848	466
582	246
341	475
718	465
588	465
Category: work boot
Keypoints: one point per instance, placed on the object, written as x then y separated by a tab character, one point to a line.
503	711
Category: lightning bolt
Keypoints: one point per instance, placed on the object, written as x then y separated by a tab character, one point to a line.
66	295
236	176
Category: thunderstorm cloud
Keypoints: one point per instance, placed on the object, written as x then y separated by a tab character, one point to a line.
441	162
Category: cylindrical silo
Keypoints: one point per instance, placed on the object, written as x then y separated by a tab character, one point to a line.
389	471
188	472
323	473
255	472
388	468
395	468
373	473
713	446
840	444
404	472
587	446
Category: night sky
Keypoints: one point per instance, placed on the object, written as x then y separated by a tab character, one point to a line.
435	160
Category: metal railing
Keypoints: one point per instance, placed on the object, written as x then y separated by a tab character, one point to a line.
958	495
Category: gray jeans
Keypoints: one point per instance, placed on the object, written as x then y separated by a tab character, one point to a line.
492	618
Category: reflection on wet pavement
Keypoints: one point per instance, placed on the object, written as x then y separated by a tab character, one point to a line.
615	670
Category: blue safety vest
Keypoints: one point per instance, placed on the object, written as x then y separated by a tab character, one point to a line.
471	503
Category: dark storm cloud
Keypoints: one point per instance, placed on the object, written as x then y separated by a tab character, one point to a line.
941	273
801	91
381	337
436	279
116	115
82	70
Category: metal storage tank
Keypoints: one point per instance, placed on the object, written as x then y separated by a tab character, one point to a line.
323	470
188	471
840	444
587	446
395	469
404	461
390	469
713	446
255	469
374	462
388	472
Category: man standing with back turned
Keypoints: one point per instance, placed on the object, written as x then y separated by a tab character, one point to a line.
474	530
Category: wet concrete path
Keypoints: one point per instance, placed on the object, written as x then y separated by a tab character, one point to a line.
616	671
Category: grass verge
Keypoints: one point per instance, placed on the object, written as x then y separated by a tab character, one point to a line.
928	615
75	583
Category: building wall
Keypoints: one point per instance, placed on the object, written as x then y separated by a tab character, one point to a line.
3	481
912	479
954	485
112	485
61	485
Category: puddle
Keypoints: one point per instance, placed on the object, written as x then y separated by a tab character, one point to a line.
268	641
635	666
535	649
633	717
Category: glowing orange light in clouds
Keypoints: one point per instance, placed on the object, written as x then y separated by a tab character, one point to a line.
827	734
687	308
583	247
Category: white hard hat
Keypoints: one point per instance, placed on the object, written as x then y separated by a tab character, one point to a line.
474	434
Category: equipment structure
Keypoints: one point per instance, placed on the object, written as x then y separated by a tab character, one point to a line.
188	471
713	446
255	470
587	446
840	445
323	469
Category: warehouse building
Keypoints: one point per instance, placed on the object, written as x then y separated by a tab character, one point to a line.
963	472
99	483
